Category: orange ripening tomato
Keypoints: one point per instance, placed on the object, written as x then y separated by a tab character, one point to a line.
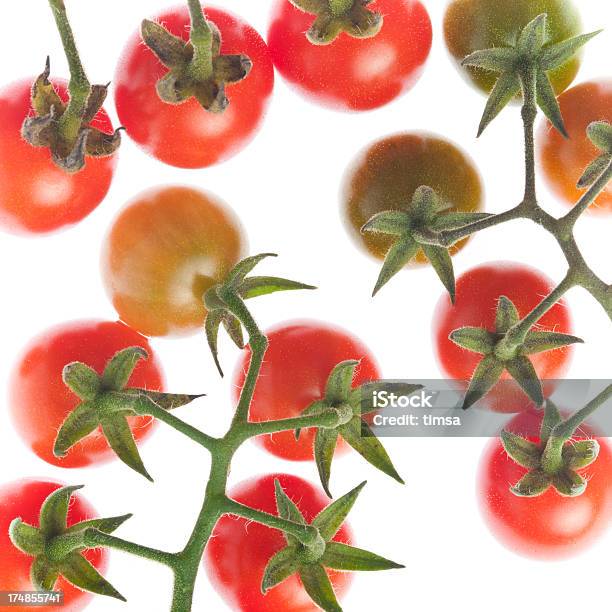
563	160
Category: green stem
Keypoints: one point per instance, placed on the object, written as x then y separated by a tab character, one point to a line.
588	198
306	534
340	7
529	112
95	538
147	407
329	418
79	86
201	37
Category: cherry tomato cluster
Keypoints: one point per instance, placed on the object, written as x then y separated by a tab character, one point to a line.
207	80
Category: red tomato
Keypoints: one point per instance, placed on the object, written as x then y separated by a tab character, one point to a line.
23	499
478	291
351	73
549	526
239	550
300	358
564	160
186	135
40	402
36	196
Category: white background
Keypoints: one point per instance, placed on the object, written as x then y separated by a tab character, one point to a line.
293	171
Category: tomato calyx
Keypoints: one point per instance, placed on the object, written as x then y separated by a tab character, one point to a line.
555	460
416	229
333	17
345	404
523	68
196	68
57	548
507	349
310	561
107	402
241	287
600	134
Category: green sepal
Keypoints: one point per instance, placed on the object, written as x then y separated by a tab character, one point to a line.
454	220
580	454
79	572
532	484
339	382
82	421
287	509
233	327
441	261
496	59
283	564
319	587
505	90
54	512
331	518
342	557
475	339
43	574
594	170
324	446
569	483
524	452
506	315
557	54
522	370
82	380
486	374
256	286
120	439
401	253
532	36
26	538
172	51
238	273
541	341
358	434
391	222
167	401
119	369
600	134
211	327
43	96
547	101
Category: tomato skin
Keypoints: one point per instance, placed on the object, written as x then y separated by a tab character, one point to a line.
36	196
40	401
473	25
164	250
353	74
385	175
563	160
23	499
477	294
299	360
186	135
239	550
549	526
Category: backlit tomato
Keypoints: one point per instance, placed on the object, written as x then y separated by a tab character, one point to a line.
186	135
387	173
36	196
164	250
40	401
300	358
473	25
549	526
563	160
352	73
23	499
478	293
239	550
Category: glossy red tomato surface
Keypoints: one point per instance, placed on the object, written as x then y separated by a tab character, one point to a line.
549	526
239	551
299	360
351	73
23	499
477	293
563	160
39	401
186	135
36	196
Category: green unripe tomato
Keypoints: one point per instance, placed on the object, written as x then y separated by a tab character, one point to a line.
472	25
